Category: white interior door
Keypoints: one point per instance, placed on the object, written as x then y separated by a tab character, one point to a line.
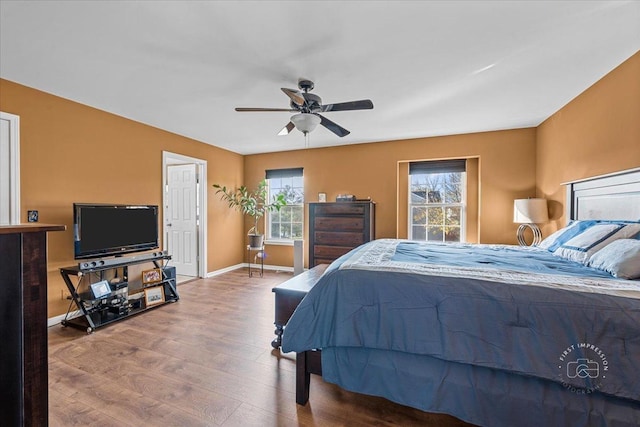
181	218
9	168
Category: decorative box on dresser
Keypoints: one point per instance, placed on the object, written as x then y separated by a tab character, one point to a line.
336	228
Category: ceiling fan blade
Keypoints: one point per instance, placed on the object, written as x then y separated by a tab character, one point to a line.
333	127
288	128
265	109
364	104
295	96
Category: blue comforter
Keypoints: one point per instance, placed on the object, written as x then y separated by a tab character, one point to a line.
517	310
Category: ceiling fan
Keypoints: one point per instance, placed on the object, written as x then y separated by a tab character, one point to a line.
308	107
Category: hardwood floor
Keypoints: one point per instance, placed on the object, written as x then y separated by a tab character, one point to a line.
203	361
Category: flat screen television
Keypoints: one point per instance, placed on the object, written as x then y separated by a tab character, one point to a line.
102	230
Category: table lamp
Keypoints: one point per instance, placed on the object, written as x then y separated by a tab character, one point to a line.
528	213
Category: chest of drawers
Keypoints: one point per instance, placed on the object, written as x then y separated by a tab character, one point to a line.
336	228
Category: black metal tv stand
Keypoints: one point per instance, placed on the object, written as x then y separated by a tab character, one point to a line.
128	296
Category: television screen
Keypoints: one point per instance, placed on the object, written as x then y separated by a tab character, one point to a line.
104	230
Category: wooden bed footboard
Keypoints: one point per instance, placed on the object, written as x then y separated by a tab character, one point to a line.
307	363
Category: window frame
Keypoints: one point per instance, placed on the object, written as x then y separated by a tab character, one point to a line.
462	205
282	173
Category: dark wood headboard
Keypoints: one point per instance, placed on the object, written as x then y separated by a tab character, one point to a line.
613	196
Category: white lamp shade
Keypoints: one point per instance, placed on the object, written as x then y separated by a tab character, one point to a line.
530	211
305	122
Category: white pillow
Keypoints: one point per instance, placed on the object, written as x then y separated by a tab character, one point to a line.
581	247
620	258
553	241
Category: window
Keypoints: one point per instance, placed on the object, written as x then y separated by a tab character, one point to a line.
286	224
437	200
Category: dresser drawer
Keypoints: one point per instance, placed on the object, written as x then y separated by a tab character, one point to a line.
338	223
338	238
343	208
329	252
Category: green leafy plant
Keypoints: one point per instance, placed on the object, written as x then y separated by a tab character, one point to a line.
252	203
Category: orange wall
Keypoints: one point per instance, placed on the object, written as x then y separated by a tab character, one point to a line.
70	152
598	132
506	171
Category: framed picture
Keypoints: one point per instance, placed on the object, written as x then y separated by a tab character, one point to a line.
151	276
32	216
322	197
153	296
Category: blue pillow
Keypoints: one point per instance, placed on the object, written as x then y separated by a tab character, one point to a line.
594	238
565	234
620	258
575	227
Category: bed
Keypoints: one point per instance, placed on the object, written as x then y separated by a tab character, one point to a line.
488	333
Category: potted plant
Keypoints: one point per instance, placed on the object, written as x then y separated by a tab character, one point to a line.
252	203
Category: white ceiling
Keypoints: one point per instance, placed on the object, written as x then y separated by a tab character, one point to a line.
430	68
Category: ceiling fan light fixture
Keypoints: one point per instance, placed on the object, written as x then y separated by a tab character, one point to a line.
305	122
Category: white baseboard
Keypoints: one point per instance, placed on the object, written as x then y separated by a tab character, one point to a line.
246	265
225	270
276	268
56	320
